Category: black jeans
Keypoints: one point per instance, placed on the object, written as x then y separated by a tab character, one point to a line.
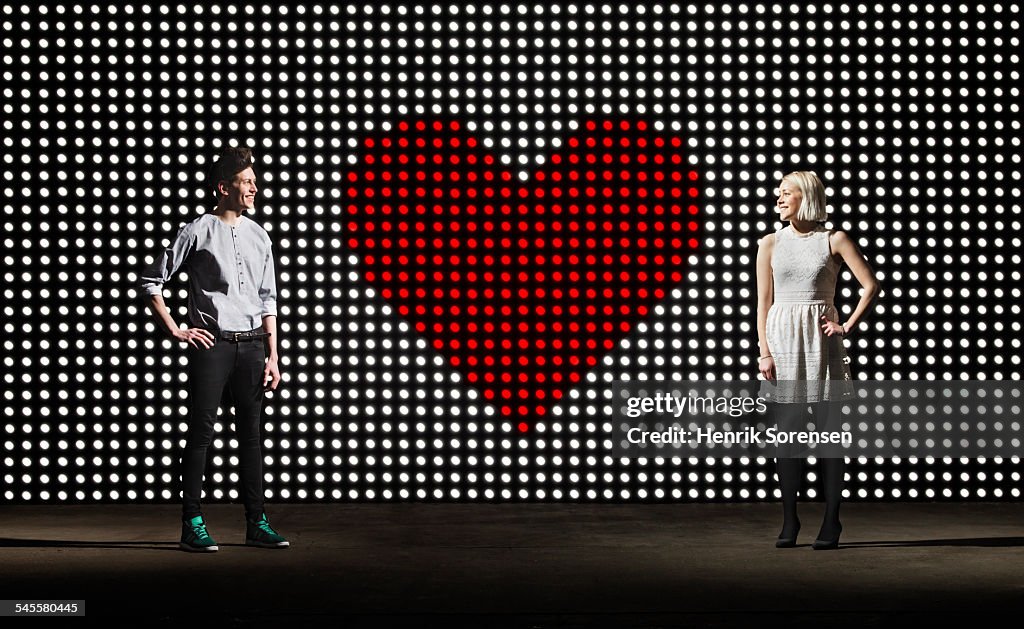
238	366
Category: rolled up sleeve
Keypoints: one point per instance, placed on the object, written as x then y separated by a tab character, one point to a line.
163	268
268	287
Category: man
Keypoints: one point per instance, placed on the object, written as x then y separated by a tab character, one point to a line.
231	336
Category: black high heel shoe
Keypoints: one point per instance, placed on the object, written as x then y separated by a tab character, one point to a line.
788	541
830	543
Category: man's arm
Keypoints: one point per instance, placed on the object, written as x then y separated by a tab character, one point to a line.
192	336
271	372
268	295
152	281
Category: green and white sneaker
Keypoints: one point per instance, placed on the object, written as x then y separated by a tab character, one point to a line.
194	537
259	533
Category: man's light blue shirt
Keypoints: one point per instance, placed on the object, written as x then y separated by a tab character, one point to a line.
231	281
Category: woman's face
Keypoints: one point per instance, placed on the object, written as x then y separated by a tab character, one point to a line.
789	200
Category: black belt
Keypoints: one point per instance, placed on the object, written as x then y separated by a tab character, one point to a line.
256	334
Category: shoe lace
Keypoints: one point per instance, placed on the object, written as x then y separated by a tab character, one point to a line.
264	525
200	530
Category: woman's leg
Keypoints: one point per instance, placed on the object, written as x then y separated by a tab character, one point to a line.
791	472
790	469
833	471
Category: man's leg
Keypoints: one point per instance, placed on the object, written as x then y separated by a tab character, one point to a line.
246	385
208	371
247	390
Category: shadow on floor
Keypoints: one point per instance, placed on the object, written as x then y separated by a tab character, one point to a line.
979	542
6	542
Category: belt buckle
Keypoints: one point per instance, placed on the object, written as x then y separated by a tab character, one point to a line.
236	335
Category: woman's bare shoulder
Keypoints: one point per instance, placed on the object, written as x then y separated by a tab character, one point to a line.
839	239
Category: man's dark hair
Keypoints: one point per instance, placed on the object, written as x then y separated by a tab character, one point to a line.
231	161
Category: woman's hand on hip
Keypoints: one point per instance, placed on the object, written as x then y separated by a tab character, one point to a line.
831	327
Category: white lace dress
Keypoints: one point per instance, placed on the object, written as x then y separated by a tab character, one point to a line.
809	366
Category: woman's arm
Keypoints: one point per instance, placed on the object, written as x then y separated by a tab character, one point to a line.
765	299
844	246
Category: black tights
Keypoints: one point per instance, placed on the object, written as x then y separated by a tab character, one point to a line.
791	472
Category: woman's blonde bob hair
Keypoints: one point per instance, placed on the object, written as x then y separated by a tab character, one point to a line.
812	207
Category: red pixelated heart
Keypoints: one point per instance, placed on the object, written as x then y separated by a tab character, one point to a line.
522	286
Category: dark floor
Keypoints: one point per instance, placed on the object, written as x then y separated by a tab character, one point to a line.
464	565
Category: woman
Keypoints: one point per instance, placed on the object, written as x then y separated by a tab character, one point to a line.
800	336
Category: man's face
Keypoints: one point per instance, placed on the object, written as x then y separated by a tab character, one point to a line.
240	193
